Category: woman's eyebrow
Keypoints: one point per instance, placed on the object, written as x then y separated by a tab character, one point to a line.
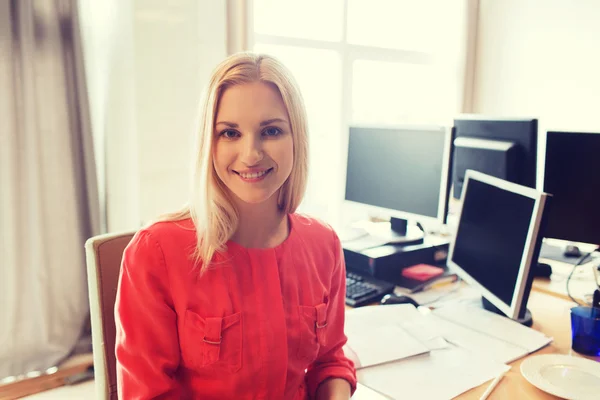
229	124
270	121
263	123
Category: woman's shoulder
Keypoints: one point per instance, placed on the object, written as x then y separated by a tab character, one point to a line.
313	229
170	227
166	228
157	245
166	234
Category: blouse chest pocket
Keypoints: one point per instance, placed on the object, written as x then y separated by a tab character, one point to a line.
212	341
313	331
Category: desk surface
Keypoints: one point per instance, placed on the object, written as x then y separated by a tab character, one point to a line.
551	315
582	284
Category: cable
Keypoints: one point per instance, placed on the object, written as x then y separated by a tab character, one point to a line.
579	262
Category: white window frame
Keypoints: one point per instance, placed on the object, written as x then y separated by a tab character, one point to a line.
348	54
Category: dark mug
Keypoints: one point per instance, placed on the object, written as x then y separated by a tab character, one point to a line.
585	330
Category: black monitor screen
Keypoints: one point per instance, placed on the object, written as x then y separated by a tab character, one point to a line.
491	237
572	177
398	169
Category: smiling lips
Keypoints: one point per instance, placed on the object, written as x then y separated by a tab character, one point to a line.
253	176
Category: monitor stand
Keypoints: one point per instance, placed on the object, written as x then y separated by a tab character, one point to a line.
526	320
398	232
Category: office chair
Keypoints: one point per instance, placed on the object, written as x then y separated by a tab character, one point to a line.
103	258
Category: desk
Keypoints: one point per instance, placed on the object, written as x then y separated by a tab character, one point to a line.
550	315
582	283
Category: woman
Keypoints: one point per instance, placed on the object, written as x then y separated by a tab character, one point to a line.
236	296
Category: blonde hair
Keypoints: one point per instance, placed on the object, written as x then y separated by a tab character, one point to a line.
211	208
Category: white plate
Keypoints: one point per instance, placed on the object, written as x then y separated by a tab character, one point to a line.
563	376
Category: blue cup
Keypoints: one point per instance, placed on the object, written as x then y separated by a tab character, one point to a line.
585	330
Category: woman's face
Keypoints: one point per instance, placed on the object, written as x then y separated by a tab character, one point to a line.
253	151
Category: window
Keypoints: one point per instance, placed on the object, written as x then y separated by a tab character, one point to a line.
380	62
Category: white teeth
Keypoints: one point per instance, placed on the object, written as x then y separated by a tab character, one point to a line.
253	175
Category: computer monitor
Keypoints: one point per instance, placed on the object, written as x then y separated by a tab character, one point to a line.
497	241
502	147
401	172
572	177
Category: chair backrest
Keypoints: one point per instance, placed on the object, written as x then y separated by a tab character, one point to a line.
103	257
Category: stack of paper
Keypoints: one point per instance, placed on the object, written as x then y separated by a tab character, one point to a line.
468	325
403	353
441	374
378	335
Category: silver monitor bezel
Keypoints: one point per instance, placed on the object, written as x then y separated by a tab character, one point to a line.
512	310
445	177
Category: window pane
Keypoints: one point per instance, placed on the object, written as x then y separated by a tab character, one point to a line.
318	73
402	24
305	19
397	93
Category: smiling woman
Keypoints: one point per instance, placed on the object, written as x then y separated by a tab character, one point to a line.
237	296
253	156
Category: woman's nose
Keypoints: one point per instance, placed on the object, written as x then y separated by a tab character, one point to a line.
252	152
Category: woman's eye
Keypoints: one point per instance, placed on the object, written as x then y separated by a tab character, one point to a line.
229	134
272	131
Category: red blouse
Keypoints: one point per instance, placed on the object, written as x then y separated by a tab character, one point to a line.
260	324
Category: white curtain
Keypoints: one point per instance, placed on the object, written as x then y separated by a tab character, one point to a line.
48	187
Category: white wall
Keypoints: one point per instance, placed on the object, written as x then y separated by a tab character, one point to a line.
540	58
107	39
146	63
177	44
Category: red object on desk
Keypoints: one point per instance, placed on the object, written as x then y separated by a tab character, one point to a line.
422	272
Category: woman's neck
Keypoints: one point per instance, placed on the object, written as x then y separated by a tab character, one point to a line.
261	225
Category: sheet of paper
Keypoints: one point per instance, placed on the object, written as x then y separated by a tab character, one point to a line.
469	325
444	295
382	334
440	374
365	393
478	342
381	344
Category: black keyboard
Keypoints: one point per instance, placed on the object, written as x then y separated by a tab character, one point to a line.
362	290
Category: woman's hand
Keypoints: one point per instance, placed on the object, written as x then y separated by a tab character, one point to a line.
333	389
